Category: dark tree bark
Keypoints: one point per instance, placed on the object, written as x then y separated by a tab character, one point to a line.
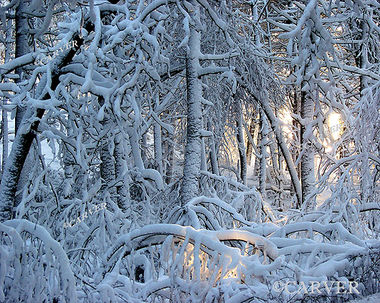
251	130
213	152
22	47
241	145
27	133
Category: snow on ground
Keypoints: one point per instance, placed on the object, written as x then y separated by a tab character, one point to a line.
370	299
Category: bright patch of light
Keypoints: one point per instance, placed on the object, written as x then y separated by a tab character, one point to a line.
328	148
334	123
287	120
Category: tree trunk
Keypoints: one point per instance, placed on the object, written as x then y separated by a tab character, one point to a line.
307	160
158	147
121	173
263	152
27	133
15	163
191	169
4	131
4	114
251	130
169	151
203	155
363	62
107	166
143	148
264	103
135	147
21	48
274	154
213	152
296	107
241	145
68	169
283	147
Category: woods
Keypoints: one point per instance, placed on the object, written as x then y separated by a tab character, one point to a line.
189	151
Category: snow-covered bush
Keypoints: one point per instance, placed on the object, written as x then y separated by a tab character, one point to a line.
34	267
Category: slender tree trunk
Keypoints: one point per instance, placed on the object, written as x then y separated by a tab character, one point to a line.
251	130
169	167
241	145
283	147
264	103
362	55
274	153
307	160
68	165
135	146
143	146
121	173
307	114
107	166
4	114
4	131
21	48
213	151
191	169
363	63
256	160
203	155
263	151
272	145
296	105
14	165
158	147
